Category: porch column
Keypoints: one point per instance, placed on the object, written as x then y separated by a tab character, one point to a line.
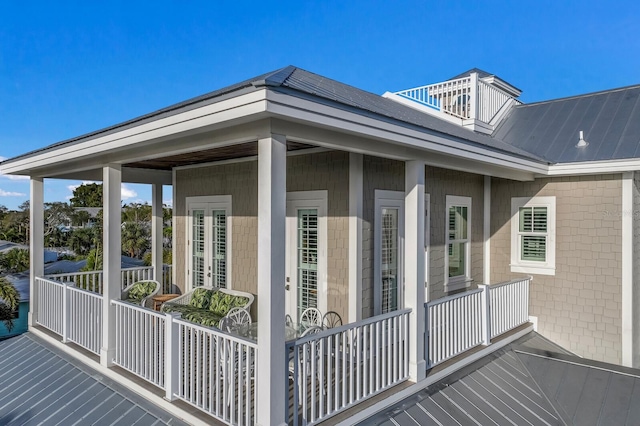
112	181
486	230
355	236
36	245
157	235
414	266
271	358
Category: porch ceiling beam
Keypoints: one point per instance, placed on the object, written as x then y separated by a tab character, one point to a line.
347	142
129	175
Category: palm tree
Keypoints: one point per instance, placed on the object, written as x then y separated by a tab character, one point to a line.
9	302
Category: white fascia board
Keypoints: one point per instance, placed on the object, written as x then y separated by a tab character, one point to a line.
219	112
594	167
286	106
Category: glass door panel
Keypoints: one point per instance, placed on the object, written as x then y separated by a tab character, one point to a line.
307	259
197	248
389	258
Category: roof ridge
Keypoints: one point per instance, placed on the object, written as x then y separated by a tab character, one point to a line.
276	78
584	95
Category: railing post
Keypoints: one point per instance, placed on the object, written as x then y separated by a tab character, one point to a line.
65	313
172	354
486	314
474	99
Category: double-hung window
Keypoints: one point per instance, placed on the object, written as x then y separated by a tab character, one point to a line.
533	235
458	242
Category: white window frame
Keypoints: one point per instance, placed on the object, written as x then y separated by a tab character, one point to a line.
393	200
532	267
209	202
463	281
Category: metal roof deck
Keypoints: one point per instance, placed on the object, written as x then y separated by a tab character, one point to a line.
40	385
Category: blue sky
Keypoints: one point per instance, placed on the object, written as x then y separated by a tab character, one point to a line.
67	68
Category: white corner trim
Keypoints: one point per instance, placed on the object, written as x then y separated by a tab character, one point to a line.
627	269
355	236
486	230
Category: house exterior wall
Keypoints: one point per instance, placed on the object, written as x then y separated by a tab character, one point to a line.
580	306
309	172
439	183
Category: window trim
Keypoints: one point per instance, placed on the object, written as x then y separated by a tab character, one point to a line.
395	200
208	203
463	281
531	267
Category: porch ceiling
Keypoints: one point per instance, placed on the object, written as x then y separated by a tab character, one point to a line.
248	149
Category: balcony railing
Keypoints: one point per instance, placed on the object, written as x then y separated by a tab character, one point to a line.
92	280
463	321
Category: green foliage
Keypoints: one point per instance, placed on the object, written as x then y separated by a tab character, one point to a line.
136	239
87	195
15	260
9	302
94	261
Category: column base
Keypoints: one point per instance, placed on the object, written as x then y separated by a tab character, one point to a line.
106	357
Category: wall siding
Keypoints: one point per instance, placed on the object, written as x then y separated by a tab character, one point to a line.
580	307
322	171
439	183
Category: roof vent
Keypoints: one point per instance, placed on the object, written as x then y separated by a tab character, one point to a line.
581	143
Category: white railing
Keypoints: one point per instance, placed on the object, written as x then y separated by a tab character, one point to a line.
88	280
216	372
131	275
455	324
338	368
93	280
84	318
50	302
453	97
140	341
509	305
490	101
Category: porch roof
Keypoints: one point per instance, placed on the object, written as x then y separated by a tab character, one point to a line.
297	82
532	378
40	384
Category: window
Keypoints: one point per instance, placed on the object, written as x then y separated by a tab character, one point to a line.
458	240
388	240
533	235
209	228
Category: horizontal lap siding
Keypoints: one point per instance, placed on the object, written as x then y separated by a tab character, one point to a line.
580	307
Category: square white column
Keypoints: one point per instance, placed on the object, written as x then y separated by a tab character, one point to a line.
414	294
112	238
271	380
157	235
36	245
355	236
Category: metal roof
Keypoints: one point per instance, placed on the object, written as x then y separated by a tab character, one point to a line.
40	385
610	121
318	88
531	381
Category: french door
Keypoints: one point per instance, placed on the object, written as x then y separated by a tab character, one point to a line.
208	244
306	254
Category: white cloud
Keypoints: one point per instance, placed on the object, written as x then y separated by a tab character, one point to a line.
4	193
168	203
127	193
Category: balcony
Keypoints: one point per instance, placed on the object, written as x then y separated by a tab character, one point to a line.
328	372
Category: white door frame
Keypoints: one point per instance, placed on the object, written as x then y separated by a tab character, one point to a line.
306	200
208	204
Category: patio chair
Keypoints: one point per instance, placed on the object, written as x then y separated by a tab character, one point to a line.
141	293
288	321
331	319
305	362
311	317
237	317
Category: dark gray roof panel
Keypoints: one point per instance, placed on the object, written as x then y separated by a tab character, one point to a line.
40	385
610	121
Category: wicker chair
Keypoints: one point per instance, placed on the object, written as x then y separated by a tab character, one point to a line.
141	292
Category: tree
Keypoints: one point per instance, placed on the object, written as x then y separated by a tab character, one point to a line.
15	260
9	302
87	195
135	238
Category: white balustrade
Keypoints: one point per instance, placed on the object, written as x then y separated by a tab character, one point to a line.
50	303
216	373
129	276
453	97
337	368
84	310
87	280
454	325
490	101
509	305
140	341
